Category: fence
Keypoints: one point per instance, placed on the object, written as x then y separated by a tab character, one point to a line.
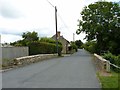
14	52
103	64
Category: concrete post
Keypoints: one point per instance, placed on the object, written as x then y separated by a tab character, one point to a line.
107	66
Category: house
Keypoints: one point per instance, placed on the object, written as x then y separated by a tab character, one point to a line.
65	43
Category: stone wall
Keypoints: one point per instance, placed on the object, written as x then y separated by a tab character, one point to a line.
29	60
101	63
33	59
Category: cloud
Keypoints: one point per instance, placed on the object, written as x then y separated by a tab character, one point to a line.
7	10
10	31
39	17
9	38
42	32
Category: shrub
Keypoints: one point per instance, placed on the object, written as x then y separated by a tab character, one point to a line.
49	40
118	60
113	59
73	46
90	46
109	57
79	43
37	47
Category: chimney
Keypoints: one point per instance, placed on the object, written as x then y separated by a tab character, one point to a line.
58	34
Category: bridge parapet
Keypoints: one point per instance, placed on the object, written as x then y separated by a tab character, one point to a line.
101	63
22	61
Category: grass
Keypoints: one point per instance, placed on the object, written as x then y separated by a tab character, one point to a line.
110	81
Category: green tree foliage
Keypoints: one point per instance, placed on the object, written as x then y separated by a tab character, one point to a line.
73	46
90	46
113	59
101	22
49	40
19	43
36	46
27	37
78	43
30	36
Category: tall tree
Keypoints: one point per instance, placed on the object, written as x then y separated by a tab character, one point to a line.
79	43
30	36
101	22
27	37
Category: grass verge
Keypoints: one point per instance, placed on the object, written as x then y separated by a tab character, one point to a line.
109	82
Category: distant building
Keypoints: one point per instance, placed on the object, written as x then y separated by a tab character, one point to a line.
65	43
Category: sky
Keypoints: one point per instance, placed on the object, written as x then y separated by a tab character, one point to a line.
18	16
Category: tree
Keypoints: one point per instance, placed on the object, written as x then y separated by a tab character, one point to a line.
49	40
30	36
101	22
90	46
73	46
79	43
27	38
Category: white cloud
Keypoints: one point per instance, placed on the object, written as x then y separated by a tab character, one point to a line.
8	38
18	16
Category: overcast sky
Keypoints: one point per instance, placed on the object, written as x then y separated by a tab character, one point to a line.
18	16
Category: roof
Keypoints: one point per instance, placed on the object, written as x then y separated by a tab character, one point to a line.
61	37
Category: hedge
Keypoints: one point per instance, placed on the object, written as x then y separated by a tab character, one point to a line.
37	47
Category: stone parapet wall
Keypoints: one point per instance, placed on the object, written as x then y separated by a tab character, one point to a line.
21	61
101	63
33	59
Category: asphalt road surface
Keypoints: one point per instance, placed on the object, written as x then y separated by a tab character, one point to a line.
75	71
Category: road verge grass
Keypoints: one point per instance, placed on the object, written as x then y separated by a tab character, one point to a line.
109	81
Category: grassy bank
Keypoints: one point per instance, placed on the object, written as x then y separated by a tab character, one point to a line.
110	81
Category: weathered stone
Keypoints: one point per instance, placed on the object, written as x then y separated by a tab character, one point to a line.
32	59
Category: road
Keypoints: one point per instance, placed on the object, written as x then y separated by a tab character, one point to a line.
75	71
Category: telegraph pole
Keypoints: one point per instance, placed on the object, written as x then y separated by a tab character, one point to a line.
55	25
56	29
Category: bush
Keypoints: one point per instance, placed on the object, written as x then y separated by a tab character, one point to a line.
90	46
117	60
73	46
109	57
79	43
113	59
37	47
49	40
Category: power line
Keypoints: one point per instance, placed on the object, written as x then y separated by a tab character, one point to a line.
58	14
62	20
50	3
55	26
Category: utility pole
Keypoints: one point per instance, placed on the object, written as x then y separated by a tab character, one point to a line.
56	29
55	25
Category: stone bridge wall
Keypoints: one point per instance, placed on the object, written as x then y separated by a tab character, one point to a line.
21	61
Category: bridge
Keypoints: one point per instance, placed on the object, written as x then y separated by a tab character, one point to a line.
75	71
